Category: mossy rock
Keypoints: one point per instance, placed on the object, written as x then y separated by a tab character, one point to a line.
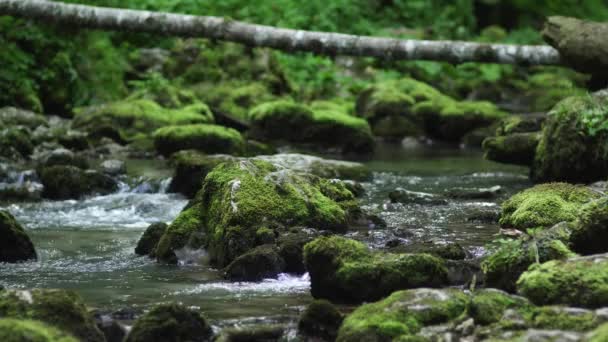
321	319
15	244
573	146
61	156
402	315
261	332
487	306
324	168
191	168
581	282
257	264
292	122
202	137
449	251
516	148
346	270
130	120
520	124
16	143
599	335
17	330
148	241
590	230
170	323
545	89
238	198
545	205
60	309
66	182
11	116
510	258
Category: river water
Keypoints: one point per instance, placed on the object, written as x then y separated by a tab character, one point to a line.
87	245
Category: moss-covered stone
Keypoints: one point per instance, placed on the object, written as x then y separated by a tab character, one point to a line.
130	120
203	137
292	122
581	282
258	332
321	319
15	143
11	116
345	270
148	241
544	89
291	249
599	335
510	258
16	330
65	182
239	197
61	156
516	148
257	264
191	168
545	205
15	244
324	168
590	230
520	124
573	143
170	322
487	306
402	315
61	309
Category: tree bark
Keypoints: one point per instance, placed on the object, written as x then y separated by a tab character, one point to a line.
277	38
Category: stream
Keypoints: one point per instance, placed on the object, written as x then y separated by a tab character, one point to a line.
88	245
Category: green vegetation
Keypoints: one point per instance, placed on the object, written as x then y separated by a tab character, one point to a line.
203	137
15	330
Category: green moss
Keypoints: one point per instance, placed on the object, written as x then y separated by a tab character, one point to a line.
487	306
191	168
321	319
560	318
545	205
546	88
61	309
155	87
148	241
170	322
573	144
516	148
14	330
600	334
345	270
579	282
178	234
15	244
203	137
590	230
125	119
260	263
65	182
402	315
15	143
233	100
264	235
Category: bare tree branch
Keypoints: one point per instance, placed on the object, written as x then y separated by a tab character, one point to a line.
277	38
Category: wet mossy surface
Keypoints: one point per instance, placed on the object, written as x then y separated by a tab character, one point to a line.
16	330
148	241
206	138
321	319
15	244
590	230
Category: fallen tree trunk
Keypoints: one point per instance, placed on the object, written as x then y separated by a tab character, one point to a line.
277	38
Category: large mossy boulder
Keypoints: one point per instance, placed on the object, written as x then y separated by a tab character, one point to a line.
170	323
320	320
15	244
590	230
545	205
580	282
17	330
402	315
131	120
573	147
346	270
60	309
238	198
288	121
508	259
206	138
67	182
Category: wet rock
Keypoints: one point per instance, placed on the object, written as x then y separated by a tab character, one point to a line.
259	263
404	196
345	270
61	156
148	241
291	249
111	329
15	244
206	138
590	230
545	205
191	168
17	330
475	194
451	251
60	309
170	323
16	143
113	167
11	116
599	335
320	320
486	215
402	315
581	281
65	182
325	168
258	333
21	191
516	148
240	197
74	140
297	123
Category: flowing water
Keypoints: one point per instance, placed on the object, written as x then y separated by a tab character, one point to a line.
88	245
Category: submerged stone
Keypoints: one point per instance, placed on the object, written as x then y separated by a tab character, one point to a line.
60	309
170	323
19	330
545	205
581	282
15	244
404	196
264	332
345	270
321	320
206	138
